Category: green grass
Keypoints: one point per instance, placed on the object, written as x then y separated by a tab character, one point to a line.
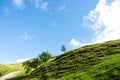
13	67
20	77
7	68
92	62
99	71
3	69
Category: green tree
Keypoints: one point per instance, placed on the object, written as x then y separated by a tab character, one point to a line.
31	64
45	56
35	62
27	66
63	48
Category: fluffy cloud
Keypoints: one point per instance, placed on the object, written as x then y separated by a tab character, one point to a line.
75	42
26	36
62	7
17	61
21	60
19	3
104	20
40	4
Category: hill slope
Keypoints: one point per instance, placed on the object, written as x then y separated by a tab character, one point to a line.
7	68
93	62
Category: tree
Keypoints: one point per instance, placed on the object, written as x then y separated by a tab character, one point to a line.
27	66
31	64
45	56
35	62
63	48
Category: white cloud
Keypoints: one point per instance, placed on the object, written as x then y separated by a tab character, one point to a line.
26	36
17	61
21	60
75	42
19	3
40	4
62	7
105	20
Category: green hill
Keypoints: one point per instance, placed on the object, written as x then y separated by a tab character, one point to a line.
7	68
2	69
92	62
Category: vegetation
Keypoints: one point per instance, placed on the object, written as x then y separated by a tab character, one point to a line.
29	65
2	69
7	68
32	64
92	62
63	48
45	56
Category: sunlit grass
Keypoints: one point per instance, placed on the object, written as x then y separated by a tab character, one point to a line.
7	68
92	62
98	71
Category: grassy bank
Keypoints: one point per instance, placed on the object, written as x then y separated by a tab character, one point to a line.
7	68
92	62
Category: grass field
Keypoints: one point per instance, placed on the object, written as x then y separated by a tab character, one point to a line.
3	69
7	68
92	62
108	69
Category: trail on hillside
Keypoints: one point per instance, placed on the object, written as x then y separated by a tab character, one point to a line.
10	75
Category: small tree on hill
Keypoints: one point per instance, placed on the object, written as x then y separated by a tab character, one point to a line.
63	48
35	62
31	64
45	56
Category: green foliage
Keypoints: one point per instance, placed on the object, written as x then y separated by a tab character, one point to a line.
31	64
92	62
63	48
5	69
45	56
35	62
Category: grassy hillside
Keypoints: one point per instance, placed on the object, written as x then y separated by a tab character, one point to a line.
7	68
92	62
2	69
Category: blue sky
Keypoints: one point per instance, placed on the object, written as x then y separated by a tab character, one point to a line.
28	27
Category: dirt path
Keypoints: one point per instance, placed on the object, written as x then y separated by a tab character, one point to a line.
10	75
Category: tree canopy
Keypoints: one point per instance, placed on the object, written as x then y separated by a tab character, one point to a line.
35	62
45	56
63	48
